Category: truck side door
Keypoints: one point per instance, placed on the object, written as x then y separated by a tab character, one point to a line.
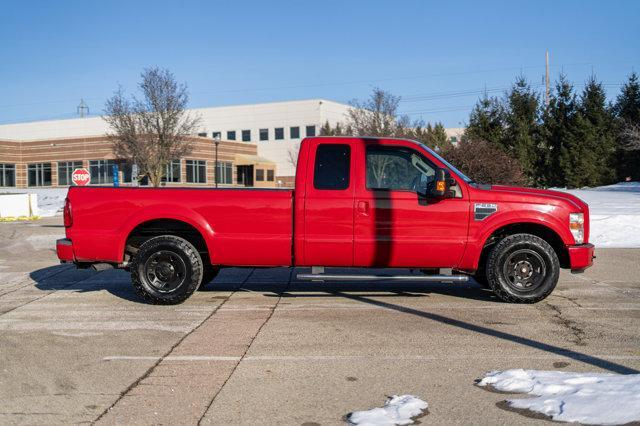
328	210
395	226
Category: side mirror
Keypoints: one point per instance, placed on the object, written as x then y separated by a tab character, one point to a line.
441	183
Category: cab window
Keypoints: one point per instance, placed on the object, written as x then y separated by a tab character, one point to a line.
332	167
397	168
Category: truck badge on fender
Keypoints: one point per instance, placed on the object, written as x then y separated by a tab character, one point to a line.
482	211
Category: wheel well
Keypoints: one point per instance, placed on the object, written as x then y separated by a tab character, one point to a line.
157	227
547	234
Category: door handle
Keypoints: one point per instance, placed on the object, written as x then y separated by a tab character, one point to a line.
363	208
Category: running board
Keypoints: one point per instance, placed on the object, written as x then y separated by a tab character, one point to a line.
411	278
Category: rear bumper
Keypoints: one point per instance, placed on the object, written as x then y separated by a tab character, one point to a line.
581	257
64	249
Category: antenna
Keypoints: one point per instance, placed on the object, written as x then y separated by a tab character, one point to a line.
546	80
83	109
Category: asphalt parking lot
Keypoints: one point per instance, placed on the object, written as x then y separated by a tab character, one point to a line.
257	347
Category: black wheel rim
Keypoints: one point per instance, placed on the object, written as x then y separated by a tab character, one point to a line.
524	270
165	271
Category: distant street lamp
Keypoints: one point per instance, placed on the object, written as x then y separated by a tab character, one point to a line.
216	141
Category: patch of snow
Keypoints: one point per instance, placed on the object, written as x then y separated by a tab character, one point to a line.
397	410
588	398
50	200
614	212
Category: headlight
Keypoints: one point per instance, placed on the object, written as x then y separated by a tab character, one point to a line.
576	226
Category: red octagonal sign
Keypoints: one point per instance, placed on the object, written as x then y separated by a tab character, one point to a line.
81	177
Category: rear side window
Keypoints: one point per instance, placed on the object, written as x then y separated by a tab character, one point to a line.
332	167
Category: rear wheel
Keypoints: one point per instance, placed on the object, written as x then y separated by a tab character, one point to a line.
522	268
166	270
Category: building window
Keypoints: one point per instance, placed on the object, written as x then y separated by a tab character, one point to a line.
101	171
332	168
294	132
202	134
231	135
216	135
311	131
39	174
172	172
279	133
271	175
453	140
246	136
264	134
196	171
225	173
7	174
260	174
65	169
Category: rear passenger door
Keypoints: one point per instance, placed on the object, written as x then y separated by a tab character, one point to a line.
328	219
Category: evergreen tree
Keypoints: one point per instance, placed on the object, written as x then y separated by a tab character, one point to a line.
594	143
627	112
557	132
434	137
486	121
521	120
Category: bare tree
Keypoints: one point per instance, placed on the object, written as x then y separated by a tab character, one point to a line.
630	135
378	116
153	130
292	156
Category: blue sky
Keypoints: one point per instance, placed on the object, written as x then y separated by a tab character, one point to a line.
436	55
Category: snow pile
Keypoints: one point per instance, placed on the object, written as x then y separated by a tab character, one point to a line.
50	200
588	398
615	213
397	410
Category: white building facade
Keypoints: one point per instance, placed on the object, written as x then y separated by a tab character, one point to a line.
276	128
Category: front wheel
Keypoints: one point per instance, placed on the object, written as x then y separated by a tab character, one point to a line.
166	270
522	268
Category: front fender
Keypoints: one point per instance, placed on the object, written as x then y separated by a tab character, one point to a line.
480	231
166	211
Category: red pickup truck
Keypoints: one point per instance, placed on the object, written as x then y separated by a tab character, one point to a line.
357	203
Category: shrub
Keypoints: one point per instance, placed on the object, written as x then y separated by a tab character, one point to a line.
485	163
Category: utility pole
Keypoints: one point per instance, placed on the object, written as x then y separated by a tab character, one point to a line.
546	80
83	109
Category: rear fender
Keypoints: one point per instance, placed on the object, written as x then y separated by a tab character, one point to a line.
168	211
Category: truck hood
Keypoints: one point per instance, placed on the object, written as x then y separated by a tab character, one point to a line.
543	196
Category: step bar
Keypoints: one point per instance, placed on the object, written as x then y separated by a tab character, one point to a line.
406	278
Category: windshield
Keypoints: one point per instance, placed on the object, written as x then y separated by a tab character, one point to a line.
449	165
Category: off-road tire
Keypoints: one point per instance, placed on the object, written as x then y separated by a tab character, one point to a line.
174	246
516	246
481	277
209	273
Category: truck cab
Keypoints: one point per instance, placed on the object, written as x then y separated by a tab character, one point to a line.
358	202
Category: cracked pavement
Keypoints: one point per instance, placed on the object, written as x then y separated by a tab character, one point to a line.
258	347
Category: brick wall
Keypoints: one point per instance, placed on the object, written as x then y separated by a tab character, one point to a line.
22	153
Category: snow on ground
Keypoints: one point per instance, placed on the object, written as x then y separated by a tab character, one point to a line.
397	410
588	398
615	213
50	200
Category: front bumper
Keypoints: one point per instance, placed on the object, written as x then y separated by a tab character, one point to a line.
64	249
581	257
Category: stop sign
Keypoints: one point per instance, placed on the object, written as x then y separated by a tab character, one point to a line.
80	177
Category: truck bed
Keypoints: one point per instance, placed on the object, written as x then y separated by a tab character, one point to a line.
251	227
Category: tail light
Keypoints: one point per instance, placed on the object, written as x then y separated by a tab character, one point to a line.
68	218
